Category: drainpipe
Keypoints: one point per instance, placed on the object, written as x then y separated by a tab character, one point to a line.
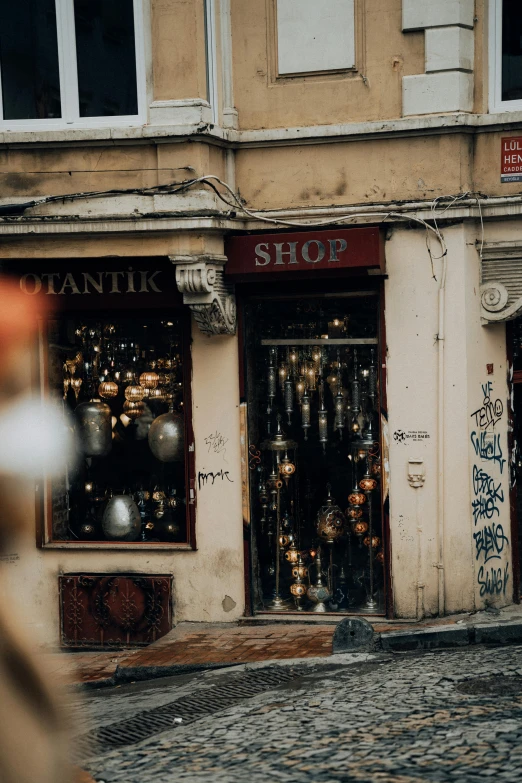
416	479
420	583
440	439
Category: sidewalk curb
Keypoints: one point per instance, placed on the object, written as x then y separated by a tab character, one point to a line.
432	638
130	674
450	636
92	685
127	674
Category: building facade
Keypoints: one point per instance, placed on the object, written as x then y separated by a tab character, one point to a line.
285	238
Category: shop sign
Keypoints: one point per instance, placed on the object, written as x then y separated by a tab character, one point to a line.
306	251
101	283
511	159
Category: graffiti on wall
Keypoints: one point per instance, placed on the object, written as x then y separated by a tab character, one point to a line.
491	544
216	447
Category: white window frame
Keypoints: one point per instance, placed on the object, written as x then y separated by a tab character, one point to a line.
70	119
496	104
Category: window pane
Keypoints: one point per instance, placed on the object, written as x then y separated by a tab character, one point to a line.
106	57
122	383
511	50
29	60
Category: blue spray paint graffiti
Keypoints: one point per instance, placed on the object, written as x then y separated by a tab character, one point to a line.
488	448
486	484
490	542
494	581
489	412
488	495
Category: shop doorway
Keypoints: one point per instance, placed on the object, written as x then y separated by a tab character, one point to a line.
312	384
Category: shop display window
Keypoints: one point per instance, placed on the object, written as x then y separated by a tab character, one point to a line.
316	481
122	383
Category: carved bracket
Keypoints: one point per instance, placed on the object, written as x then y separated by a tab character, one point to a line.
201	281
501	276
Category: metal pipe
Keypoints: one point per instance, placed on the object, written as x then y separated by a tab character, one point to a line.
420	584
440	439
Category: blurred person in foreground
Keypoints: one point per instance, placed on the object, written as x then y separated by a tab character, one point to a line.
33	746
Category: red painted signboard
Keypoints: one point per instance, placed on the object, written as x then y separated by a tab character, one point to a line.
511	159
305	251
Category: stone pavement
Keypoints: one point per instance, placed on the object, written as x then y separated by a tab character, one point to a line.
394	718
202	645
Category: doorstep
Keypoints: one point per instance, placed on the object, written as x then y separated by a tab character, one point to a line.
322	618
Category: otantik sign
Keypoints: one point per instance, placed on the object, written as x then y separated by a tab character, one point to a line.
102	283
307	251
126	281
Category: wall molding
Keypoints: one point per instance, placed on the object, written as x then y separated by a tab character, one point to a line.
447	84
190	111
221	222
434	124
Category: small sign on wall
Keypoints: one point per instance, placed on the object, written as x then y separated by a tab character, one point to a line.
511	159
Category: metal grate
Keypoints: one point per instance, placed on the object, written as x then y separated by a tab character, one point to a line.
205	702
507	686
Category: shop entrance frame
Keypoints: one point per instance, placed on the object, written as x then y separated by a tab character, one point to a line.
291	286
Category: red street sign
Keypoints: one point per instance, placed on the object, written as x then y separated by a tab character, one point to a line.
511	159
305	251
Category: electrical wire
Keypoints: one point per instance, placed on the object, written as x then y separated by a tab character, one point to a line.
235	203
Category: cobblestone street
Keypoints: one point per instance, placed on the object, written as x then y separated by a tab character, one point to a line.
437	716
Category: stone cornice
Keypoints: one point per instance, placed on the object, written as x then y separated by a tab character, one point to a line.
217	221
433	124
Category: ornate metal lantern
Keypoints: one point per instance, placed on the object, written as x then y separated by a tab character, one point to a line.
108	389
167	437
330	519
94	428
121	519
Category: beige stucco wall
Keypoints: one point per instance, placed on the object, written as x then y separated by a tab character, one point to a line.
412	365
178	49
202	578
344	172
367	170
411	324
372	170
34	170
383	56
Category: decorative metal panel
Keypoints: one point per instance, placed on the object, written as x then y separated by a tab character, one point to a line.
114	610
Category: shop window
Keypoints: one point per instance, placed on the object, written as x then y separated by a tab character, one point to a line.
67	62
316	488
505	55
122	382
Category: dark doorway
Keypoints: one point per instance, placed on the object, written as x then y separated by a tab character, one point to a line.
312	387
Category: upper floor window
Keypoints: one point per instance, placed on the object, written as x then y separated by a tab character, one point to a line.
506	55
71	63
